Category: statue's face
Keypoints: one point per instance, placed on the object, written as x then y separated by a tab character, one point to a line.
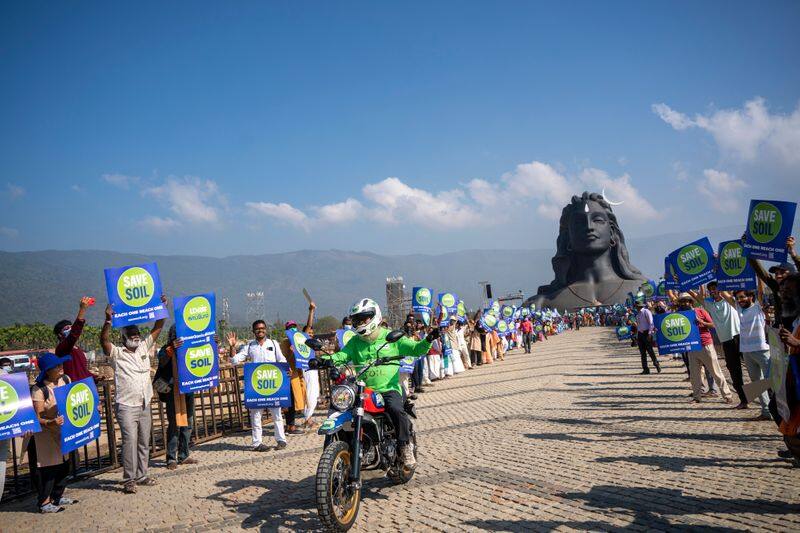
590	231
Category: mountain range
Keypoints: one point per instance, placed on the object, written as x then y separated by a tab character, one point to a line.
45	286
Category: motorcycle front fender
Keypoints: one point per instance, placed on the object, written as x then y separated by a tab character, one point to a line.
335	422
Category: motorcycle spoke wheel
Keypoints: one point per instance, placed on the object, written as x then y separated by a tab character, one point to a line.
336	504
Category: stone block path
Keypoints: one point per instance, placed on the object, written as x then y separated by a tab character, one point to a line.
570	437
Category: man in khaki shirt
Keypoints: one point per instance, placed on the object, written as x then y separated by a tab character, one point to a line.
134	389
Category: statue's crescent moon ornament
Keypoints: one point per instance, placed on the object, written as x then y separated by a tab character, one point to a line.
603	194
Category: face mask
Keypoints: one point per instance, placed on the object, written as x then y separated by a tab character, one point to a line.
348	326
132	344
6	369
65	331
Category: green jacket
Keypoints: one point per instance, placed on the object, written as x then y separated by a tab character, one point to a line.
385	377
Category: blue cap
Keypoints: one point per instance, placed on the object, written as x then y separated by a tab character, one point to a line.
49	361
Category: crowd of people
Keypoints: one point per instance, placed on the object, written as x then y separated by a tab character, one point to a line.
463	344
734	324
751	328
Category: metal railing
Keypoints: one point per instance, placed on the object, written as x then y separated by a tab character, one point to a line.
217	412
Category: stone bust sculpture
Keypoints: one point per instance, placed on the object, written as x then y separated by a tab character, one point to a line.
591	265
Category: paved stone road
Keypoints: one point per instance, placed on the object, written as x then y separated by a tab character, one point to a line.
570	437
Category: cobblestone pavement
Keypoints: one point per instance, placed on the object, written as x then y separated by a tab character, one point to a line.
570	437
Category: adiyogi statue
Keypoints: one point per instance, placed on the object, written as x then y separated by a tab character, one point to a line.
591	265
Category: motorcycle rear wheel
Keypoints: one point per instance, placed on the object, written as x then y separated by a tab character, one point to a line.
402	474
336	509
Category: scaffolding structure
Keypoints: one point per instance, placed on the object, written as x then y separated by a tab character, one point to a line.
255	306
226	313
395	302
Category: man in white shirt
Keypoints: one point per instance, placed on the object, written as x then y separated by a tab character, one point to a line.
261	350
726	323
133	390
753	342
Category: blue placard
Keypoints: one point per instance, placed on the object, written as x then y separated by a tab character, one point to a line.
733	270
489	321
198	356
421	299
16	407
624	332
449	301
78	403
649	289
661	289
343	336
267	385
677	332
407	365
693	263
669	276
135	294
302	353
769	224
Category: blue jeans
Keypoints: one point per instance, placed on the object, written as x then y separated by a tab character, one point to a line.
178	437
757	364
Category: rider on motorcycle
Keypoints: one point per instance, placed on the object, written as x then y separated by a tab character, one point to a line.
362	349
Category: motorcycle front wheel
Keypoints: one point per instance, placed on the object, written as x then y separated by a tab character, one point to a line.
337	504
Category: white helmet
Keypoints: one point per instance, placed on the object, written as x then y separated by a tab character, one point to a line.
366	317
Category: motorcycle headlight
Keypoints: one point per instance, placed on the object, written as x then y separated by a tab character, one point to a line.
342	397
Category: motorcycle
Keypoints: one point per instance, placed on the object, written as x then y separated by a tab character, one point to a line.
359	436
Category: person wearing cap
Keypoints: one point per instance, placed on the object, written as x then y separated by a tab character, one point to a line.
706	356
133	390
645	327
51	466
783	317
261	349
299	391
68	334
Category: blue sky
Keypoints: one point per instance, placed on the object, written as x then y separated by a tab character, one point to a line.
203	128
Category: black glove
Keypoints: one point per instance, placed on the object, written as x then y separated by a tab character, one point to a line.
433	335
313	364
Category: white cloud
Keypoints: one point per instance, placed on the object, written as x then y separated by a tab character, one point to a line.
14	191
341	212
121	180
76	188
720	189
680	171
747	133
11	233
392	201
541	182
160	224
677	120
282	212
190	199
621	190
